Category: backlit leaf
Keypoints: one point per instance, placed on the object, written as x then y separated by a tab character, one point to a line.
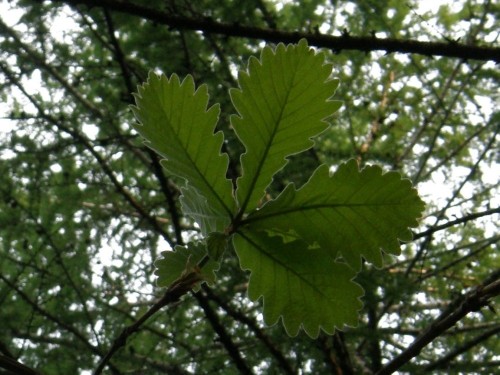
175	122
182	260
216	245
208	217
302	285
352	213
282	101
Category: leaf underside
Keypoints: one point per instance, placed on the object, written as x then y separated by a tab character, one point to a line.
216	245
303	248
208	217
282	101
174	264
175	122
302	285
351	213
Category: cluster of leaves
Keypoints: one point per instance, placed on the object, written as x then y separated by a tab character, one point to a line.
304	247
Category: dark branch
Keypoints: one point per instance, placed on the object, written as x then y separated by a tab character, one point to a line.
120	57
75	134
286	367
68	327
169	193
40	62
224	336
178	289
462	220
335	43
445	361
459	308
10	364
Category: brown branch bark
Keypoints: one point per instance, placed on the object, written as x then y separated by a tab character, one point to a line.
119	55
157	169
336	353
336	43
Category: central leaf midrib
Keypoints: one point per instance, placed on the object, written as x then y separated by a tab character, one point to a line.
313	207
198	171
283	265
269	144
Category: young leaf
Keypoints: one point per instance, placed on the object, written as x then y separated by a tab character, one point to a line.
175	122
208	217
216	245
354	213
282	102
183	260
302	285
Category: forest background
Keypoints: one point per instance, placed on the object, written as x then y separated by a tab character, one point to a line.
86	208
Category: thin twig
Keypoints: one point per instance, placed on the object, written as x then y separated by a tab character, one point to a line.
459	308
178	289
225	338
286	367
106	168
445	361
452	223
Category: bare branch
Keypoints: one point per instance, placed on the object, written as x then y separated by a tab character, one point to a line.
178	289
452	223
443	362
224	337
336	43
459	308
10	364
252	325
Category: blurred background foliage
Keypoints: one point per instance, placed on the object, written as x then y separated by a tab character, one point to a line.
85	208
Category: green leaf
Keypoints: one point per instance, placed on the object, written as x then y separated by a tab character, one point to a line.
302	285
208	217
354	213
216	245
282	102
175	122
183	260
